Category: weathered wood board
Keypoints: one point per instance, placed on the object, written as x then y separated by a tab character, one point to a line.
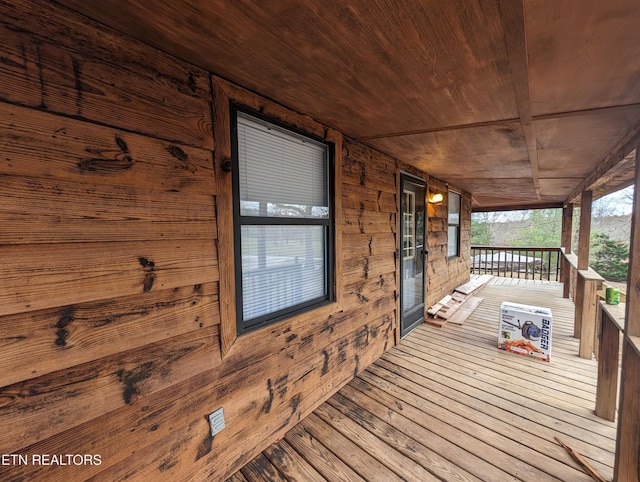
114	295
465	310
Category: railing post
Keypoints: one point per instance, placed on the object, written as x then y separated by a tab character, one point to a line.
566	275
493	255
513	255
588	322
578	301
608	357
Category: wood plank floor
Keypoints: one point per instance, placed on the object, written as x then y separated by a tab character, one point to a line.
446	404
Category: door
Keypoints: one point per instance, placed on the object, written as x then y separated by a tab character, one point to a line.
412	252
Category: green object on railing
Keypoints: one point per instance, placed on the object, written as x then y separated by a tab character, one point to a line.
612	296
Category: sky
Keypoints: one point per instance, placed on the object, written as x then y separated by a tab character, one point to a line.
615	204
622	201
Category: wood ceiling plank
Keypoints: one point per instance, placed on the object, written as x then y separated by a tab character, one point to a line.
572	146
582	56
363	67
558	187
488	151
517	188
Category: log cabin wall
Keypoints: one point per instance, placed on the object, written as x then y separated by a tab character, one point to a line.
110	314
444	273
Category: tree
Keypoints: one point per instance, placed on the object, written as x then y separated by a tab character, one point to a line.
610	258
544	230
626	196
480	233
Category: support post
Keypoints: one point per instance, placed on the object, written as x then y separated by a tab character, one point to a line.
583	258
627	459
567	228
566	243
585	230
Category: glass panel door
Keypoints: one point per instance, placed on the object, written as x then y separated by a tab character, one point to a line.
412	252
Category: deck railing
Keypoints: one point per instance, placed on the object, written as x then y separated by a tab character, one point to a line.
598	326
526	262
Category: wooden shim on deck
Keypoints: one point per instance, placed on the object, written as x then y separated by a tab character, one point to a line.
448	307
439	305
439	322
459	296
468	307
473	285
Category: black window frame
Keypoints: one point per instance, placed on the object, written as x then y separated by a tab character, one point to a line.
239	221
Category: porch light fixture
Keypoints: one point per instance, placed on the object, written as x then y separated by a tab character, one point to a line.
436	197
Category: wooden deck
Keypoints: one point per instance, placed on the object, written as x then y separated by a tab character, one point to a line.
446	404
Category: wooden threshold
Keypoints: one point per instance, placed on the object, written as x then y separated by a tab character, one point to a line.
446	404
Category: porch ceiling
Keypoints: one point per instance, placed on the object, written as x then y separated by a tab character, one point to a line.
514	102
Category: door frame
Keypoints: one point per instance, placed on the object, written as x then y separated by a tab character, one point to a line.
417	314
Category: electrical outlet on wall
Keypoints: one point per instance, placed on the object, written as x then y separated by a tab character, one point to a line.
216	421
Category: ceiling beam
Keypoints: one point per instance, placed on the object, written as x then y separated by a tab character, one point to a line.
580	112
500	122
516	207
438	129
626	145
512	13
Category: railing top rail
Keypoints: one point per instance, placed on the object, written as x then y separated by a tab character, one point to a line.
571	257
588	273
616	313
517	248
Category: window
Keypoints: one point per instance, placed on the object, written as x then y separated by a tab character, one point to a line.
454	224
409	233
283	221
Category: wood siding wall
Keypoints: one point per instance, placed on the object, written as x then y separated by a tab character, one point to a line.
444	273
110	317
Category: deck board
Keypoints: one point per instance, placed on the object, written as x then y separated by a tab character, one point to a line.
290	464
320	457
446	404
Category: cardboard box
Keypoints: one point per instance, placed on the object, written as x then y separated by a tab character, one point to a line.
525	330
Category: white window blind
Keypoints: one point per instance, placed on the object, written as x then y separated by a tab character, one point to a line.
284	171
290	272
284	261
